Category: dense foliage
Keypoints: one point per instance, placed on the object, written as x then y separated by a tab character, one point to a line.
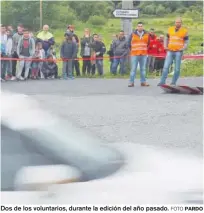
59	13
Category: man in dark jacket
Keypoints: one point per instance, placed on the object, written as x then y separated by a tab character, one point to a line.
99	49
120	51
68	53
111	54
75	38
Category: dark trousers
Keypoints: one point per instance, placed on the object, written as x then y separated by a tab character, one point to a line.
75	65
3	68
159	64
56	72
99	66
111	65
67	69
86	65
93	69
14	63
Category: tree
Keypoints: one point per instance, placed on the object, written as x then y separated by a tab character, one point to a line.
160	11
150	9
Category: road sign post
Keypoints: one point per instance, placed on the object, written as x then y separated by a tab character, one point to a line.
126	13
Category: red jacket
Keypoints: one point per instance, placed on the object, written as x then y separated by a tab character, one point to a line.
161	50
152	48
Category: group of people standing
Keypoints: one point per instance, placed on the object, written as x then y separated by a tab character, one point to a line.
144	48
92	50
23	46
175	43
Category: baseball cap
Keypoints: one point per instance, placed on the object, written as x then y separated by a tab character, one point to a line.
70	26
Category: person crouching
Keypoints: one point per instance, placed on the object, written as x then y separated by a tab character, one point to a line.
67	53
49	68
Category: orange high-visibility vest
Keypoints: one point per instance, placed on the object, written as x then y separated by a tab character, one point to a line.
176	38
139	45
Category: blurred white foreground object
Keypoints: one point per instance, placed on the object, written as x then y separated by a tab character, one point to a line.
41	177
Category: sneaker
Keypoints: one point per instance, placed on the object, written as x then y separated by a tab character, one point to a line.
131	85
13	78
21	78
8	77
159	84
144	84
3	80
71	78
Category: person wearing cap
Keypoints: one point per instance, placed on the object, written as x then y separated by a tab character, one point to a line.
46	38
70	29
68	53
175	43
152	51
138	44
75	64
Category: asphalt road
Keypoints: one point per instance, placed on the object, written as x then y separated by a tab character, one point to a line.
115	113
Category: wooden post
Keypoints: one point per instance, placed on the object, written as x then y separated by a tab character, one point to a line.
40	14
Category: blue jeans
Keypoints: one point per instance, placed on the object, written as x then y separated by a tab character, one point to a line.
141	59
3	68
67	69
170	57
99	65
116	62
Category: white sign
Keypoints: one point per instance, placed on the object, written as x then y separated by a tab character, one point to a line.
126	13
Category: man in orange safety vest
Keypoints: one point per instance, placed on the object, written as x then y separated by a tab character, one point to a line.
175	43
138	44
